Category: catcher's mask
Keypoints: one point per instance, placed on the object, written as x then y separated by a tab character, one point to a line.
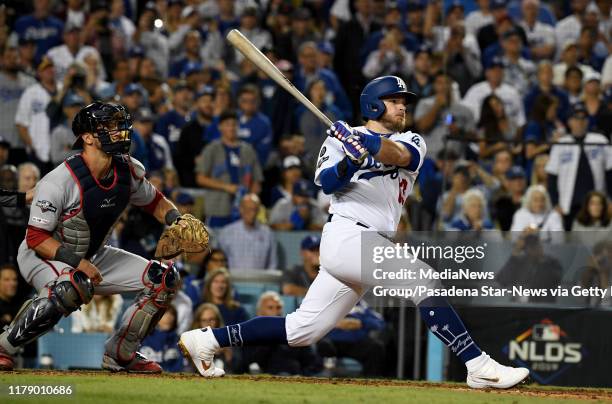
110	123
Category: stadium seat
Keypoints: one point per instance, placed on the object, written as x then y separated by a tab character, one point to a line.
289	247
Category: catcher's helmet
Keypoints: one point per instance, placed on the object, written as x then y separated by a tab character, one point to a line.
370	101
110	123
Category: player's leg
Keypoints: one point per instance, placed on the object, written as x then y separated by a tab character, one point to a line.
61	290
327	301
156	284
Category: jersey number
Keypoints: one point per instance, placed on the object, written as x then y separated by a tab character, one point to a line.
403	185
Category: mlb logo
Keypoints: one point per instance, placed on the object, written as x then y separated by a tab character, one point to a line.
546	332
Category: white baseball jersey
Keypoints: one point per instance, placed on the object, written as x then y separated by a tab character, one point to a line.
375	194
32	114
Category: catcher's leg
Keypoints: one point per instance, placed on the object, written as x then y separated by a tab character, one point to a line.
327	301
161	282
58	298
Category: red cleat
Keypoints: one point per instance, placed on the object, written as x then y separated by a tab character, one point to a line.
140	364
6	360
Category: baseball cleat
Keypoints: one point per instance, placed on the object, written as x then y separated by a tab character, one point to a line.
140	364
200	347
6	360
490	374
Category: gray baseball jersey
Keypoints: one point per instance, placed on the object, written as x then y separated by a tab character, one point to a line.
57	208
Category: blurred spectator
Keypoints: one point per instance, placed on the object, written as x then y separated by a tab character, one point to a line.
62	137
572	84
540	36
184	311
420	81
325	55
133	97
40	26
193	283
169	125
568	59
72	51
530	267
355	337
587	44
153	42
462	56
281	359
594	214
442	114
300	212
292	173
251	29
156	153
297	280
299	30
13	82
99	315
9	301
191	45
161	344
496	129
511	99
391	58
350	38
489	35
432	176
307	71
255	127
479	18
218	290
574	169
473	216
191	141
123	28
568	29
278	104
227	167
598	271
506	203
184	203
544	85
519	72
248	243
31	117
606	72
539	176
592	99
450	203
75	82
27	56
537	215
228	16
310	126
542	129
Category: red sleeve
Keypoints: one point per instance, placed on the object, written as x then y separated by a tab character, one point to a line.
150	208
35	236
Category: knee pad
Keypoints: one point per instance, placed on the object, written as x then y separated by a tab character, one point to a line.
161	284
37	316
71	290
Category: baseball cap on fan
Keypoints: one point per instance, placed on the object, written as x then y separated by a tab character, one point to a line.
4	143
311	243
291	162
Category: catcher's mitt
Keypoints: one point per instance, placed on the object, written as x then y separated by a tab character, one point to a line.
186	235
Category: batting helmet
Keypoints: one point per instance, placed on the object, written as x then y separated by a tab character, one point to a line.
110	123
372	106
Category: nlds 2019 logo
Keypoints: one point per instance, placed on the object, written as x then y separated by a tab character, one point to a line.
546	350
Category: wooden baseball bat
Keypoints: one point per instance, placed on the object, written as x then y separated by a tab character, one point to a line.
260	60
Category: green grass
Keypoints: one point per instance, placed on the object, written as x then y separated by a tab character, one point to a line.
188	389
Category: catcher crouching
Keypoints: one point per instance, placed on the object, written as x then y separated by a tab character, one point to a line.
65	256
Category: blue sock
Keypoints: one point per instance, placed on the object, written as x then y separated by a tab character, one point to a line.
445	324
257	331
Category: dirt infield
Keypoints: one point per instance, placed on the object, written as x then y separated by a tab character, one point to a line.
526	390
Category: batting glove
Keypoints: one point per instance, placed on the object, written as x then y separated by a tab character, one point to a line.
354	150
340	130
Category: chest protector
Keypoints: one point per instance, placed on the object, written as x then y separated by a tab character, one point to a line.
100	208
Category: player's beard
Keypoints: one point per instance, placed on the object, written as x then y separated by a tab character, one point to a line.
393	122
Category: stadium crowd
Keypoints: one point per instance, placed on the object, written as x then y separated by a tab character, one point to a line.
515	103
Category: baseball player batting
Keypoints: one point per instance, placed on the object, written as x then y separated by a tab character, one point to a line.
369	171
65	257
